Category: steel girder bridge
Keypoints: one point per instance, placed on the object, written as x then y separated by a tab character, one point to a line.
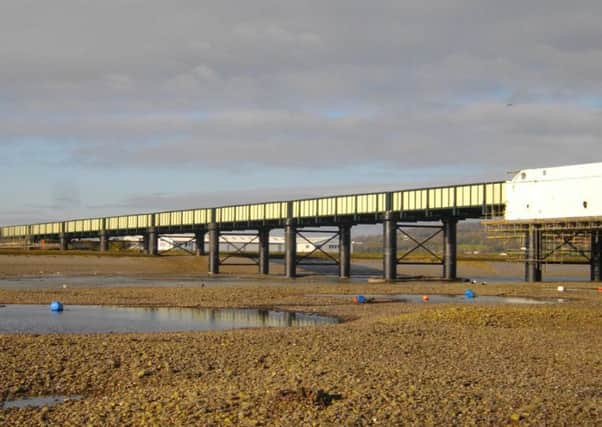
396	210
437	208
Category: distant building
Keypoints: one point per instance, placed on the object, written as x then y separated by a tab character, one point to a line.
233	243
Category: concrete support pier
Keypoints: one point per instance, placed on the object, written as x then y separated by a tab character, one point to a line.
533	263
199	237
264	250
345	251
390	246
596	257
290	237
104	241
213	249
450	263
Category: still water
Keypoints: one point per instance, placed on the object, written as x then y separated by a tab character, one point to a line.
37	402
26	318
451	299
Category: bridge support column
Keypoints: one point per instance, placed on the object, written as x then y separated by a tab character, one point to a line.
153	242
213	248
199	237
390	246
28	242
345	251
63	242
596	257
104	241
290	237
145	243
450	265
533	263
264	250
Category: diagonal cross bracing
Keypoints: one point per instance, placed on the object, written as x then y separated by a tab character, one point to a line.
420	244
239	249
318	247
177	245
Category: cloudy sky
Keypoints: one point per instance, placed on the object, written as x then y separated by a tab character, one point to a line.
142	105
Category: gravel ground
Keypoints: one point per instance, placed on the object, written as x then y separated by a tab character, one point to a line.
386	364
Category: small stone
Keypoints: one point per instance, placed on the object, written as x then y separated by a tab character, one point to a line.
144	373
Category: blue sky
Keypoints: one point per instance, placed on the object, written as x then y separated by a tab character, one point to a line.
113	107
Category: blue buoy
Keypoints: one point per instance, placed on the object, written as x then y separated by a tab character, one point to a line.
360	299
56	306
469	294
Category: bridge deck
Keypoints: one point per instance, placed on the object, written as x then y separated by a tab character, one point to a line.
466	201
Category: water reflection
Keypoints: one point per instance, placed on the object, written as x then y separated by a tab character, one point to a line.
24	318
246	316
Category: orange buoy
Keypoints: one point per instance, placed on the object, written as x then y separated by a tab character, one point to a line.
425	298
600	289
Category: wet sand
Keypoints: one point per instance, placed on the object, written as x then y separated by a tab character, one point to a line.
143	267
91	265
387	364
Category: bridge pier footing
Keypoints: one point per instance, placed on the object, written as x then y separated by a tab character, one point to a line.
390	246
213	248
533	272
345	251
290	237
450	263
596	256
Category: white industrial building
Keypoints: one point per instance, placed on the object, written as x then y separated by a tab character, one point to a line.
233	243
558	192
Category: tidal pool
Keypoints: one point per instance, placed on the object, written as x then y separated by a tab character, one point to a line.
38	319
440	299
37	402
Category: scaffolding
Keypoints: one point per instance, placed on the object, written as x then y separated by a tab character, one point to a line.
555	241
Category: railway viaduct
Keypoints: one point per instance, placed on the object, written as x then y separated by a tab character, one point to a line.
439	208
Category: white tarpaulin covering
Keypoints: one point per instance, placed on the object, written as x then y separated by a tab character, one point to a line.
554	193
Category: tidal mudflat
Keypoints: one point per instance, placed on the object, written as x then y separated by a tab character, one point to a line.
388	363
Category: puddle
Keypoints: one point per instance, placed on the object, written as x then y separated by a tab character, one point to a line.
26	318
37	402
443	299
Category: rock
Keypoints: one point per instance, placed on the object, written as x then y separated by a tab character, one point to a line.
517	417
316	397
144	373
